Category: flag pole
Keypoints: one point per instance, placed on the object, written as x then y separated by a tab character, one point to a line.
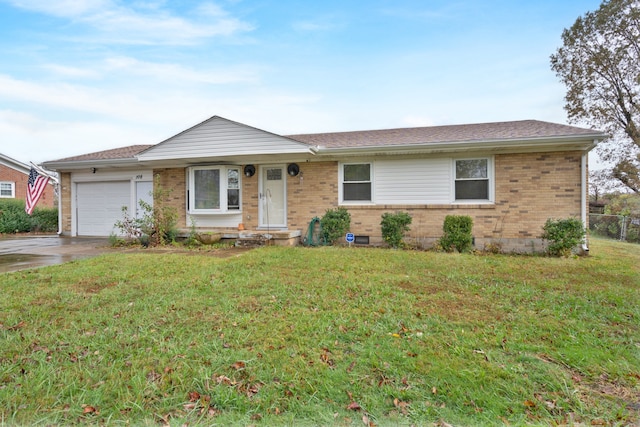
44	172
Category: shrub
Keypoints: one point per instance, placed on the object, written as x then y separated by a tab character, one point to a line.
394	226
563	235
156	225
44	220
13	218
335	224
457	233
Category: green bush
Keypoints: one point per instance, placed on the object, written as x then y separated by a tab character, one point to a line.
457	233
157	224
335	224
394	225
44	220
563	235
13	218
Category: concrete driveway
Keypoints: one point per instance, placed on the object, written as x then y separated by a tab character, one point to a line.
20	252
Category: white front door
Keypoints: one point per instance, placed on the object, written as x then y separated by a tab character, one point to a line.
273	196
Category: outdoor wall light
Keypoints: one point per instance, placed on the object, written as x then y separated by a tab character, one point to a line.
293	169
249	171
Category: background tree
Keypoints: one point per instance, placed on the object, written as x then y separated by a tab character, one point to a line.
599	63
602	184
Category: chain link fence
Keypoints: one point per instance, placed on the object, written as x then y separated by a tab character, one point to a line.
625	228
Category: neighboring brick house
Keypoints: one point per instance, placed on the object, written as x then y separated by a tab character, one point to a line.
13	182
510	177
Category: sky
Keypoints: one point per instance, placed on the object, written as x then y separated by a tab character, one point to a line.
78	76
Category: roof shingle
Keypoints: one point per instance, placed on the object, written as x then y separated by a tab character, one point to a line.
113	154
524	129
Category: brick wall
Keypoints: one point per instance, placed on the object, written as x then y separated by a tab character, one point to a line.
529	189
174	182
65	194
7	174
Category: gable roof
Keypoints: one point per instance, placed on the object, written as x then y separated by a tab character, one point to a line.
14	164
480	132
217	138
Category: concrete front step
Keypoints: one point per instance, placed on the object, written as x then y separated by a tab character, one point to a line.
258	237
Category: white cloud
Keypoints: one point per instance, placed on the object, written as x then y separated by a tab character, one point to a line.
176	72
73	72
148	23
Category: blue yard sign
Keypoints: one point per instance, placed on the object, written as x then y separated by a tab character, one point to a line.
350	238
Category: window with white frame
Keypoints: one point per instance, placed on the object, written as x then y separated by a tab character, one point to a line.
214	189
472	179
7	189
356	182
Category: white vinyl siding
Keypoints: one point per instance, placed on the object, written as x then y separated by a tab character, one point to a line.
421	181
413	181
7	190
218	137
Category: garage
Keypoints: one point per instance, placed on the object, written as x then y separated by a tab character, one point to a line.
99	206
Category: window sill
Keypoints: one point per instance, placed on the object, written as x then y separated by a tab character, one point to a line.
448	206
211	213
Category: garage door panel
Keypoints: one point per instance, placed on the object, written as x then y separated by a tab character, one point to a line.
99	206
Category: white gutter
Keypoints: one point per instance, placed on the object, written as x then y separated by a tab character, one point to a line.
59	233
584	198
577	142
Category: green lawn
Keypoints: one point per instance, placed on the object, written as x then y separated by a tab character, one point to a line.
324	336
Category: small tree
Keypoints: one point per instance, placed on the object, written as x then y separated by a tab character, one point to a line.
394	225
563	235
156	225
335	224
457	233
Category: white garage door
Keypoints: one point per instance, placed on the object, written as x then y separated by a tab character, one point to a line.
99	206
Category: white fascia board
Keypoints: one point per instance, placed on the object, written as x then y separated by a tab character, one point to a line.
83	164
225	155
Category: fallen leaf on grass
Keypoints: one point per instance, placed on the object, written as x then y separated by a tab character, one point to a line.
194	396
88	409
354	406
529	404
238	365
367	422
17	326
326	358
221	379
402	406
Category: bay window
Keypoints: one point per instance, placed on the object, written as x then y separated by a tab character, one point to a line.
214	189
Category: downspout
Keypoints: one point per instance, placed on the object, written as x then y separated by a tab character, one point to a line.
583	199
60	206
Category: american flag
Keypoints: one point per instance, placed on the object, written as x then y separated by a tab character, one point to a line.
36	185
